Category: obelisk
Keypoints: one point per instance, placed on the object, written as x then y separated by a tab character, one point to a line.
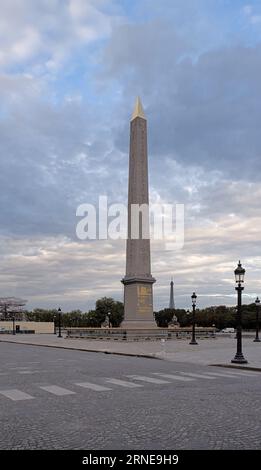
138	281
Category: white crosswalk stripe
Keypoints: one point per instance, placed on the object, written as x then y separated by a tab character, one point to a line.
123	383
243	373
197	376
174	377
55	390
219	374
91	386
32	362
147	379
28	372
157	378
16	395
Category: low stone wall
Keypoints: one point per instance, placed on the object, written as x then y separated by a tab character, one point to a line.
37	326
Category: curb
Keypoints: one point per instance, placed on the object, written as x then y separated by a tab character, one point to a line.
147	356
228	366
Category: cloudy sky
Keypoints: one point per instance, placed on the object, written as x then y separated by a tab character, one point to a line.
69	74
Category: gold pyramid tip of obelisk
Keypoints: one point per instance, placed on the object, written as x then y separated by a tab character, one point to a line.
138	110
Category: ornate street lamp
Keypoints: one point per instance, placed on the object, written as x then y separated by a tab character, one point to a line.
59	322
257	302
54	325
239	277
194	300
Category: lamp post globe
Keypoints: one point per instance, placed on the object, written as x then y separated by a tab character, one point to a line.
194	300
239	278
239	274
257	302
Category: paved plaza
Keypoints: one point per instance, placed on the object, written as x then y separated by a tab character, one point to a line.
54	398
219	350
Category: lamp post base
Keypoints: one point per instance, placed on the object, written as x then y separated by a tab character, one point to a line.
239	359
193	341
257	340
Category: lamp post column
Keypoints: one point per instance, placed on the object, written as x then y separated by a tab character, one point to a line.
59	322
257	302
194	299
239	273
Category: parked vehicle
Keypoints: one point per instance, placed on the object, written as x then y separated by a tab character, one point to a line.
228	330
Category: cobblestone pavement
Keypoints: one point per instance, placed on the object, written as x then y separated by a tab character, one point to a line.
54	398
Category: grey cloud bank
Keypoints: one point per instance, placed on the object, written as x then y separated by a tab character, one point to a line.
203	107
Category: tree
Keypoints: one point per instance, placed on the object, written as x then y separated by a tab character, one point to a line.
117	314
183	317
221	316
164	317
41	314
106	305
94	319
73	318
249	316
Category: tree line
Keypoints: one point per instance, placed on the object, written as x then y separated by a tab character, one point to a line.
77	318
220	316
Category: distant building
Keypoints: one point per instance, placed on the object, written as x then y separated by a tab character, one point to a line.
11	307
171	298
174	321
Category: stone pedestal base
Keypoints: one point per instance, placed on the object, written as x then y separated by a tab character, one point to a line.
138	307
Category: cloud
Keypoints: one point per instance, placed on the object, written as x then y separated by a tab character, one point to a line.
47	31
247	9
52	159
56	270
204	112
250	11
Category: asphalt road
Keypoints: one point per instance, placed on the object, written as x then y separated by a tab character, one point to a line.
60	399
